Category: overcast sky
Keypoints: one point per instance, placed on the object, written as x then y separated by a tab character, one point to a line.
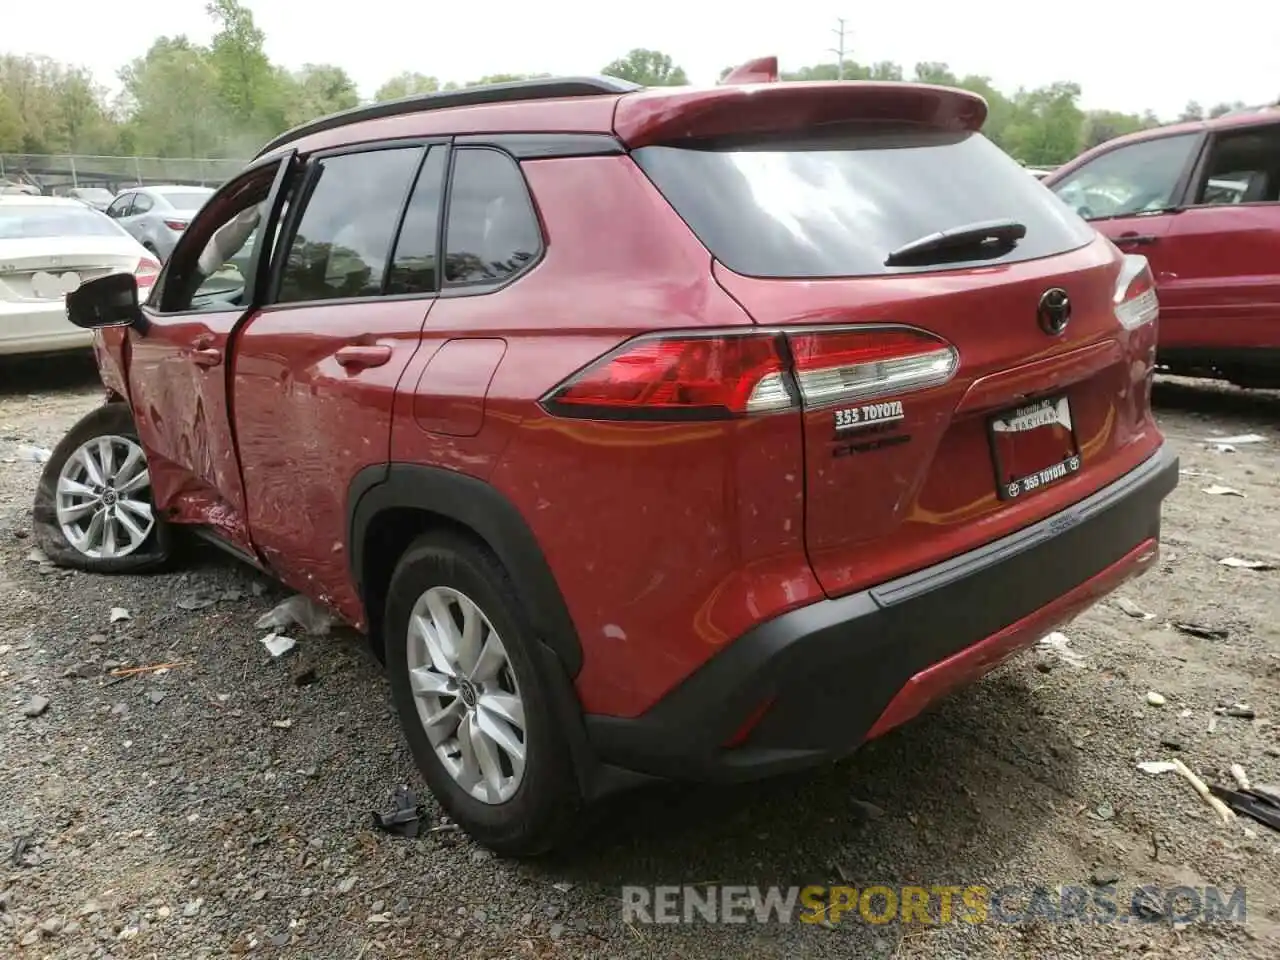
1126	54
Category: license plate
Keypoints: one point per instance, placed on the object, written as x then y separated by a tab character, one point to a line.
1033	446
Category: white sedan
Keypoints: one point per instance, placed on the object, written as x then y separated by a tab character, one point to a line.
48	247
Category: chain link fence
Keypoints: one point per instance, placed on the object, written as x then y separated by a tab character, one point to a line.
56	173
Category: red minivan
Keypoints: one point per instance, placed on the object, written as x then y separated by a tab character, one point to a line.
1201	201
686	433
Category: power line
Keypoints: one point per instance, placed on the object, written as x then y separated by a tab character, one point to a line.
839	51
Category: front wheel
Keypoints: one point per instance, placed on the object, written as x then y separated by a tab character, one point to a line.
466	683
93	508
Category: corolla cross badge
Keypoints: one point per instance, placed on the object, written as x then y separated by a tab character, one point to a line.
1055	311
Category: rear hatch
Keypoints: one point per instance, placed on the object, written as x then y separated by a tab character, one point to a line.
45	269
971	356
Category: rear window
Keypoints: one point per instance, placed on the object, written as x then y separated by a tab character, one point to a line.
23	222
837	205
185	200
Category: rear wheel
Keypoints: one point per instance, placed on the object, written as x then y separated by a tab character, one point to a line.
465	680
93	508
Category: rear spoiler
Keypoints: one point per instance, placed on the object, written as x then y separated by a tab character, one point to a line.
750	100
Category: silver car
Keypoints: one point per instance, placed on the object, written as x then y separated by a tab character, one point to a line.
156	216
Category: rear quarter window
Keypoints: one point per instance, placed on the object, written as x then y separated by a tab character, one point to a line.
838	204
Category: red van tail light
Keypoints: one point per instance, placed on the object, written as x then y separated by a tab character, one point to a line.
721	375
861	364
1135	298
680	377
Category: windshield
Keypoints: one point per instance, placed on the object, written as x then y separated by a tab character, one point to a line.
839	204
186	199
21	222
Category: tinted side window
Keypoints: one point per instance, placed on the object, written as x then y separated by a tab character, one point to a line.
1243	167
1138	178
493	231
141	204
413	269
119	205
351	208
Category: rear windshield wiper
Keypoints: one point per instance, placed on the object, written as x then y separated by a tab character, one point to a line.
972	241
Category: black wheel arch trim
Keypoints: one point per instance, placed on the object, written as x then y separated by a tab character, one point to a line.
485	511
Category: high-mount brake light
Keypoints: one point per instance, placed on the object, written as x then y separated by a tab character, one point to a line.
862	364
724	375
1136	302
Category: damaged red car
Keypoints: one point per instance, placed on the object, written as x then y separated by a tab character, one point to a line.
645	433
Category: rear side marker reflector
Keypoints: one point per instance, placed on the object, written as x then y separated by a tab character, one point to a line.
724	375
1136	302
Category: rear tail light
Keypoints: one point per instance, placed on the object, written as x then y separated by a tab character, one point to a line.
1136	302
145	274
178	225
723	375
864	364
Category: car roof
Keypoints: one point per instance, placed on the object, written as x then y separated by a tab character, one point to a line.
26	200
1236	120
636	115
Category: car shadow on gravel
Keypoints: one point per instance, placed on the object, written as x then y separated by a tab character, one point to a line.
47	374
950	797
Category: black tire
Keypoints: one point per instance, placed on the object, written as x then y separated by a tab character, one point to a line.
113	419
546	802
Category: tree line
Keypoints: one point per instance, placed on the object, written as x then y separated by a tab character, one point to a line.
224	99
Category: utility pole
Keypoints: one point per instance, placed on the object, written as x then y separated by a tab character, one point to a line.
839	51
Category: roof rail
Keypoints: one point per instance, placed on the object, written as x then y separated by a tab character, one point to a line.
542	88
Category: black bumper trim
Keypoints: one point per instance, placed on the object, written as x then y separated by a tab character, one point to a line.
828	670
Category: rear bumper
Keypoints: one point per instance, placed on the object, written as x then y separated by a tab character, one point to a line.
815	683
36	327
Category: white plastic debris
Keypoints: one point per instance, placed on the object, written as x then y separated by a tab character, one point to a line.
278	645
1060	644
1241	564
1241	778
1133	610
118	614
1155	699
1218	490
34	454
1180	768
314	619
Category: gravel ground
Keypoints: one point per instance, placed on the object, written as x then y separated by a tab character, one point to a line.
221	807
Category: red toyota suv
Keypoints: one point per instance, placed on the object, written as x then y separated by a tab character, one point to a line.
1202	202
676	433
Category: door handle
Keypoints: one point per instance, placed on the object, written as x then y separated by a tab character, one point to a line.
362	356
1136	239
208	357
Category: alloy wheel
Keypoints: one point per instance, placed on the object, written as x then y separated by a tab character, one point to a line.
103	498
466	693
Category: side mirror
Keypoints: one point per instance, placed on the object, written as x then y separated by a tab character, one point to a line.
110	301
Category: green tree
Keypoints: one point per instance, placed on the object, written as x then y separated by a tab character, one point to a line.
499	78
649	68
933	72
1192	111
171	99
249	87
317	90
405	85
1222	109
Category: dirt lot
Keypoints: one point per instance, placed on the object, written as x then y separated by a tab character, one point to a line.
177	815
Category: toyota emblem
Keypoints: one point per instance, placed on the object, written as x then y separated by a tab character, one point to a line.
1055	311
